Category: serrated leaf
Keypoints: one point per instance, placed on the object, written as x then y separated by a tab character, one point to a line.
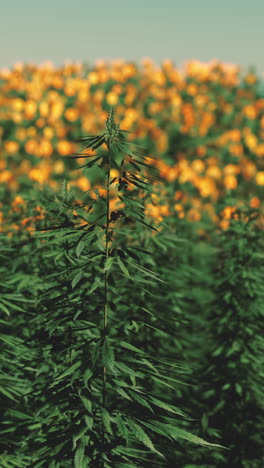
88	421
124	394
139	399
146	271
106	418
87	375
131	347
80	247
68	371
4	308
150	365
5	392
108	356
177	433
108	263
79	457
78	436
76	279
123	267
121	426
87	404
143	437
156	429
166	406
127	370
94	285
95	353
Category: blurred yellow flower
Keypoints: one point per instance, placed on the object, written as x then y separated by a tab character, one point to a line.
112	98
30	109
64	147
260	178
71	114
83	183
11	147
230	182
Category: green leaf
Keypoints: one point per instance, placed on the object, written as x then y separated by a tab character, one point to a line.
87	404
125	369
95	285
130	347
80	247
109	262
142	436
166	406
79	457
4	308
124	394
177	433
156	429
108	356
88	421
69	371
87	375
5	392
139	399
121	426
146	271
78	436
95	353
106	418
150	365
123	267
76	279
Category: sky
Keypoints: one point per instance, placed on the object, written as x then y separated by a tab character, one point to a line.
86	30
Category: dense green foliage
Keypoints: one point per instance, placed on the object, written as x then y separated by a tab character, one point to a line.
128	341
232	362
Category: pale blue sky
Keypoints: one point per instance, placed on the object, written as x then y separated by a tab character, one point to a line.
86	30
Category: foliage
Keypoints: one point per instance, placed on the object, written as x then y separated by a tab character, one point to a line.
230	366
16	354
131	308
100	393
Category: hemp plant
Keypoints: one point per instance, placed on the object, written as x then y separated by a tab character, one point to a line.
99	397
16	355
231	400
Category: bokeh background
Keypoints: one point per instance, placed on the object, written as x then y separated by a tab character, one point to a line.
185	79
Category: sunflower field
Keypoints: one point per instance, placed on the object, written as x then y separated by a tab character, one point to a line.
132	265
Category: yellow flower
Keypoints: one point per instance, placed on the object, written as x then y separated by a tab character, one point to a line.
112	98
260	178
230	182
71	114
83	183
11	147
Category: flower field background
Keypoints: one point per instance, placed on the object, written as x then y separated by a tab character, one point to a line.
203	132
206	124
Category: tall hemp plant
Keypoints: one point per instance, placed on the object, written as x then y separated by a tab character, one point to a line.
99	398
201	282
232	399
16	354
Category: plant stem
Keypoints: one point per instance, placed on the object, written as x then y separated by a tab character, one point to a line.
106	257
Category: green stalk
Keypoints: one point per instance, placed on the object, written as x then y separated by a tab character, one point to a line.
106	258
